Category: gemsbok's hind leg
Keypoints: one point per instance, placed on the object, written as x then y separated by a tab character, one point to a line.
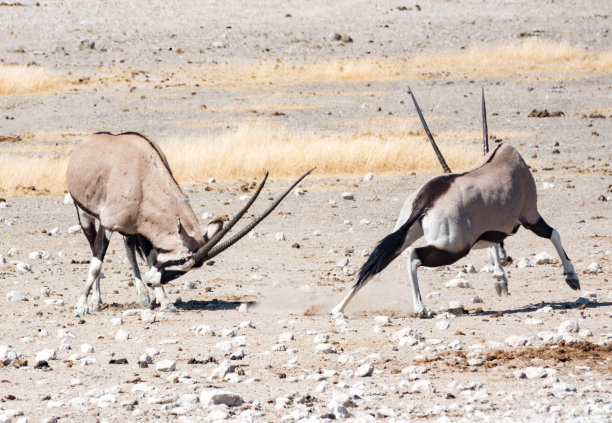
419	307
141	289
501	283
340	307
162	299
541	229
89	303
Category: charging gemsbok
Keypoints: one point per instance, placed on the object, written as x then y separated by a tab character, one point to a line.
123	183
459	211
497	253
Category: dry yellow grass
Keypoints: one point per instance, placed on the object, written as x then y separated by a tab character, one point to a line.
28	80
19	174
251	149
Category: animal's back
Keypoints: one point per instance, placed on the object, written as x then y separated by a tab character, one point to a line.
106	174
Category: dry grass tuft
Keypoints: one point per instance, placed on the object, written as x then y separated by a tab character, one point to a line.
32	175
251	149
28	80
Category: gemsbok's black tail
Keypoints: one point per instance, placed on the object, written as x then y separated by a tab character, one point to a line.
386	251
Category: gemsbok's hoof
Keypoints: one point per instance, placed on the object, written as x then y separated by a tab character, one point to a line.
170	308
501	288
145	301
572	280
425	314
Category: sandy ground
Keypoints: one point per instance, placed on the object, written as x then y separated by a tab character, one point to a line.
563	373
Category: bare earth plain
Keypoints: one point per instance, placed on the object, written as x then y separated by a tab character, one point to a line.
262	76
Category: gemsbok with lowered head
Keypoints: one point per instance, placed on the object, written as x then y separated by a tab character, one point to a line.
457	212
123	183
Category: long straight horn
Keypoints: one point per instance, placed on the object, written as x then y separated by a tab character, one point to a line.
485	130
431	139
209	254
217	237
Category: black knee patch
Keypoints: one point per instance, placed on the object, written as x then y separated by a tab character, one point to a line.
540	228
434	257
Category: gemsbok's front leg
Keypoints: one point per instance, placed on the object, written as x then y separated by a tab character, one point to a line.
501	283
541	229
131	242
153	278
88	303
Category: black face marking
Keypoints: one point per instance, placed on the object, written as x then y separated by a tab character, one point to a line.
434	257
540	228
492	236
170	275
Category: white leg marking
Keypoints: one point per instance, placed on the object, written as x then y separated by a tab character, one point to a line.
142	292
413	264
339	309
93	275
571	278
501	283
164	302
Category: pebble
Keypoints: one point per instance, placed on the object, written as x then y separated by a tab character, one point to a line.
132	312
14	296
325	349
365	370
524	262
122	335
8	354
543	258
166	365
442	325
569	326
210	397
595	268
148	316
458	283
317	232
87	349
286	337
280	236
368	177
476	300
22	266
347	196
533	322
517	341
55	231
298	192
189	284
45	291
45	355
475	362
74	229
116	321
469	268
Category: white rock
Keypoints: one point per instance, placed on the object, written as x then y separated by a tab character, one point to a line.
189	284
168	342
433	295
203	330
348	271
132	312
568	326
166	365
455	345
212	180
116	321
476	299
325	349
347	196
34	255
243	308
55	404
13	251
368	177
298	192
365	370
317	232
547	185
87	349
524	262
517	341
550	337
75	229
206	215
78	402
225	346
342	262
364	222
256	277
147	316
585	333
45	291
55	231
228	333
595	268
475	362
22	266
122	335
383	320
280	236
531	373
458	283
14	296
469	268
244	197
253	234
545	309
286	337
8	354
442	325
222	370
210	397
45	355
543	258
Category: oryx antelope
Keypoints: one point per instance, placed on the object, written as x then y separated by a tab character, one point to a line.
123	183
456	212
497	253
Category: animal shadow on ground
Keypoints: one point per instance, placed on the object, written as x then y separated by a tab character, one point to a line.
559	305
213	304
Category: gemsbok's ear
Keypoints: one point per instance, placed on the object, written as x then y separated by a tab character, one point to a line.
212	228
190	243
